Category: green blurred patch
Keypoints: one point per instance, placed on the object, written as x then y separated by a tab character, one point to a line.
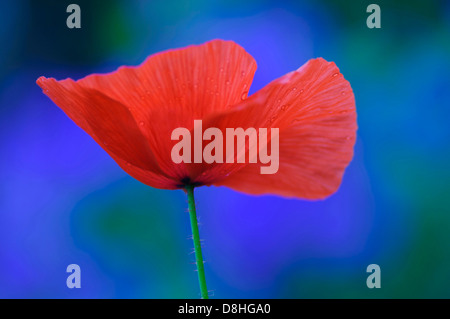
137	236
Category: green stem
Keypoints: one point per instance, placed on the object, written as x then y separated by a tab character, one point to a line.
196	239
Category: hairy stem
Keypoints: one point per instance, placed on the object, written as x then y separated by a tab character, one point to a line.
196	239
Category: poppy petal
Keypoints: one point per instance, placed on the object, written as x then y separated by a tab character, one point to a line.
110	124
173	88
314	109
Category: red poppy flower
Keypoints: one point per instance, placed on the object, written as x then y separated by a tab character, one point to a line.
132	112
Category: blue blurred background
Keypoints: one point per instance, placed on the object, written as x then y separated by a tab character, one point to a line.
63	200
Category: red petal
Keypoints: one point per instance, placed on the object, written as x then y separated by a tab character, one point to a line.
314	109
111	125
169	90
